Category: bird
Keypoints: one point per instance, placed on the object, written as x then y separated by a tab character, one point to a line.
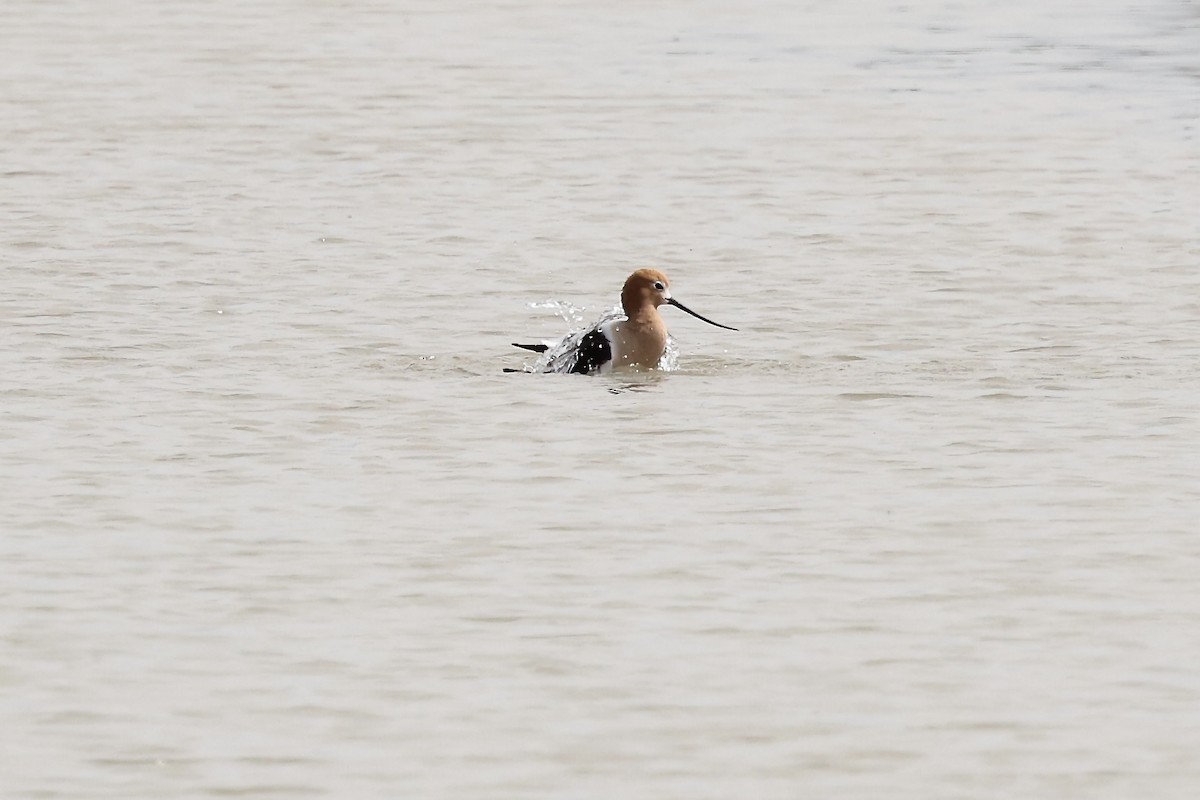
635	339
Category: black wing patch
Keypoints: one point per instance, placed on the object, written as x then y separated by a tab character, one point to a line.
537	348
593	351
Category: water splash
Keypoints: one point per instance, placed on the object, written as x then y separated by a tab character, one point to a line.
568	312
562	355
670	357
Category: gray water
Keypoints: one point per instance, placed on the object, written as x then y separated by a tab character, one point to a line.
275	524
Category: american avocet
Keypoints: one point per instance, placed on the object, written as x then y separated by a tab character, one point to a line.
637	338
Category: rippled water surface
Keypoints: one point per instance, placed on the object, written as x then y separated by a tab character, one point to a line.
276	525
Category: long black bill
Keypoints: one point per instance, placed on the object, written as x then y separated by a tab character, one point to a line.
682	307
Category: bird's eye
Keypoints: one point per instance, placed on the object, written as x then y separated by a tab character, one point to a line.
658	285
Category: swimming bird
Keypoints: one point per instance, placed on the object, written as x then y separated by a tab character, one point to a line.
637	338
